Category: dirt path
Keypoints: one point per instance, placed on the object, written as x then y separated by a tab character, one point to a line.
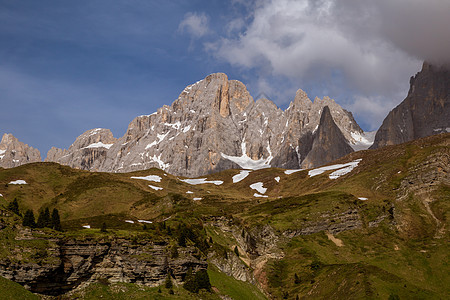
335	240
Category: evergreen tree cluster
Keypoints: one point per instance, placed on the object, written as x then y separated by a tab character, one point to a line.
44	219
14	207
194	234
195	282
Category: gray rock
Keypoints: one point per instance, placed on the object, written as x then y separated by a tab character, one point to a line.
424	112
328	142
214	125
86	152
14	153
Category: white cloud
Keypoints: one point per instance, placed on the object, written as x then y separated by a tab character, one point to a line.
373	46
194	24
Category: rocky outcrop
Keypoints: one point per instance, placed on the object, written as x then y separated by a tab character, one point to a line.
67	263
215	125
424	112
86	152
14	153
333	224
328	144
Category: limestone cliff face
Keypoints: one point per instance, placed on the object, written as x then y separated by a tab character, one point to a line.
86	152
67	263
14	153
214	125
328	142
424	112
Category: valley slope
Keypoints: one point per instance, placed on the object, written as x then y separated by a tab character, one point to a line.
373	224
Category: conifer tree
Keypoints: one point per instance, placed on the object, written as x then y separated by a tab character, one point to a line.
182	239
40	220
47	218
44	219
168	284
103	229
55	221
202	279
14	207
174	252
189	282
28	219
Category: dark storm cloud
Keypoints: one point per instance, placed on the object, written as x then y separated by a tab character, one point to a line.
361	50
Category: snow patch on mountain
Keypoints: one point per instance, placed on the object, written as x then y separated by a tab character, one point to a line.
175	125
245	162
99	145
160	137
162	165
289	172
156	188
154	178
260	196
259	187
20	181
342	169
201	181
240	176
362	141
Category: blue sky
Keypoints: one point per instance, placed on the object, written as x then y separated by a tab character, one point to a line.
69	66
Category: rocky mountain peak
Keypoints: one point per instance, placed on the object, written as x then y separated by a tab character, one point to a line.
425	111
301	100
98	137
14	153
86	151
328	142
214	125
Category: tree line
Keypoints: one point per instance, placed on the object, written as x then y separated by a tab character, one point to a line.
45	219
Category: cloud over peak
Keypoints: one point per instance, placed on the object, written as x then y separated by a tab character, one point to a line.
365	48
194	24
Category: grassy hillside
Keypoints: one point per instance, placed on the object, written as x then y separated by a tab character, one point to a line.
398	245
13	291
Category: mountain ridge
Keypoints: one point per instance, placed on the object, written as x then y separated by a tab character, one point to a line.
425	110
214	123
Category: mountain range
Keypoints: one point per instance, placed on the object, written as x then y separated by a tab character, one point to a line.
371	224
216	125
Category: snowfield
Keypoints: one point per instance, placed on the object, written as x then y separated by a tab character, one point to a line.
99	145
289	172
363	198
156	188
260	196
363	141
145	221
201	181
129	221
154	178
87	226
277	179
189	192
241	176
245	162
342	169
18	182
259	187
197	199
